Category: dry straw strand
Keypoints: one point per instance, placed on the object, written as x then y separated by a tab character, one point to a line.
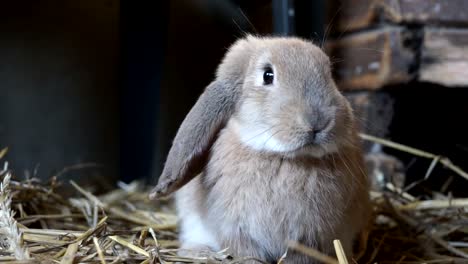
70	254
129	245
435	204
340	254
3	152
9	230
283	257
99	250
312	253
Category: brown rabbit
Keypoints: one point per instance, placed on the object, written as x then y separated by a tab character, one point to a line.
269	153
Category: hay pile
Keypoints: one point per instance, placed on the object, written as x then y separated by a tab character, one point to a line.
39	225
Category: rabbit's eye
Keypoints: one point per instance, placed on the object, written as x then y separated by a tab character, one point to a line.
268	76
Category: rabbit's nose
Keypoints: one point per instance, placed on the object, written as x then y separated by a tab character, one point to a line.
311	136
316	131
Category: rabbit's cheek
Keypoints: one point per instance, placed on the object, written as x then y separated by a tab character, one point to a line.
260	137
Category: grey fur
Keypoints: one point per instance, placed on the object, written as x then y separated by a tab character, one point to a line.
253	196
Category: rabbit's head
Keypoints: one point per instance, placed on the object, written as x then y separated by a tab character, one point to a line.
289	103
279	96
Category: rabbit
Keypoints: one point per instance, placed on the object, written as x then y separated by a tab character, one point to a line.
269	153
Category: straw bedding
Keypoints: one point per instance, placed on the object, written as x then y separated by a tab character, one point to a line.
40	225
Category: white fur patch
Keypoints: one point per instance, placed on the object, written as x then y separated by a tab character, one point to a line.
194	232
260	138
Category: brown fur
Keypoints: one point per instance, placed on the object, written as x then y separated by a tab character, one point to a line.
258	190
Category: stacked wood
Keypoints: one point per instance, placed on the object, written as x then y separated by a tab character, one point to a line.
384	42
372	59
444	56
351	15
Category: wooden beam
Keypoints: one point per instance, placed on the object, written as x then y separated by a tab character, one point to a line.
352	15
444	56
372	59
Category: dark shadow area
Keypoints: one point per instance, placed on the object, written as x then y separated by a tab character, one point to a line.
58	87
432	118
143	27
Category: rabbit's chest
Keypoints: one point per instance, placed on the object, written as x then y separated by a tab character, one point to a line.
269	199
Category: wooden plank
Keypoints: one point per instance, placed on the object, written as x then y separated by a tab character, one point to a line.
349	15
439	12
444	56
372	59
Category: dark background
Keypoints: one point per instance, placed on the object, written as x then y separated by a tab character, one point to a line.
59	80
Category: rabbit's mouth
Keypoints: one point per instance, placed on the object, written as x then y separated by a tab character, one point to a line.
312	149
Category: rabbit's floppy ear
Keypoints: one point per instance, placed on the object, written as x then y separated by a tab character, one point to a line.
189	152
197	133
